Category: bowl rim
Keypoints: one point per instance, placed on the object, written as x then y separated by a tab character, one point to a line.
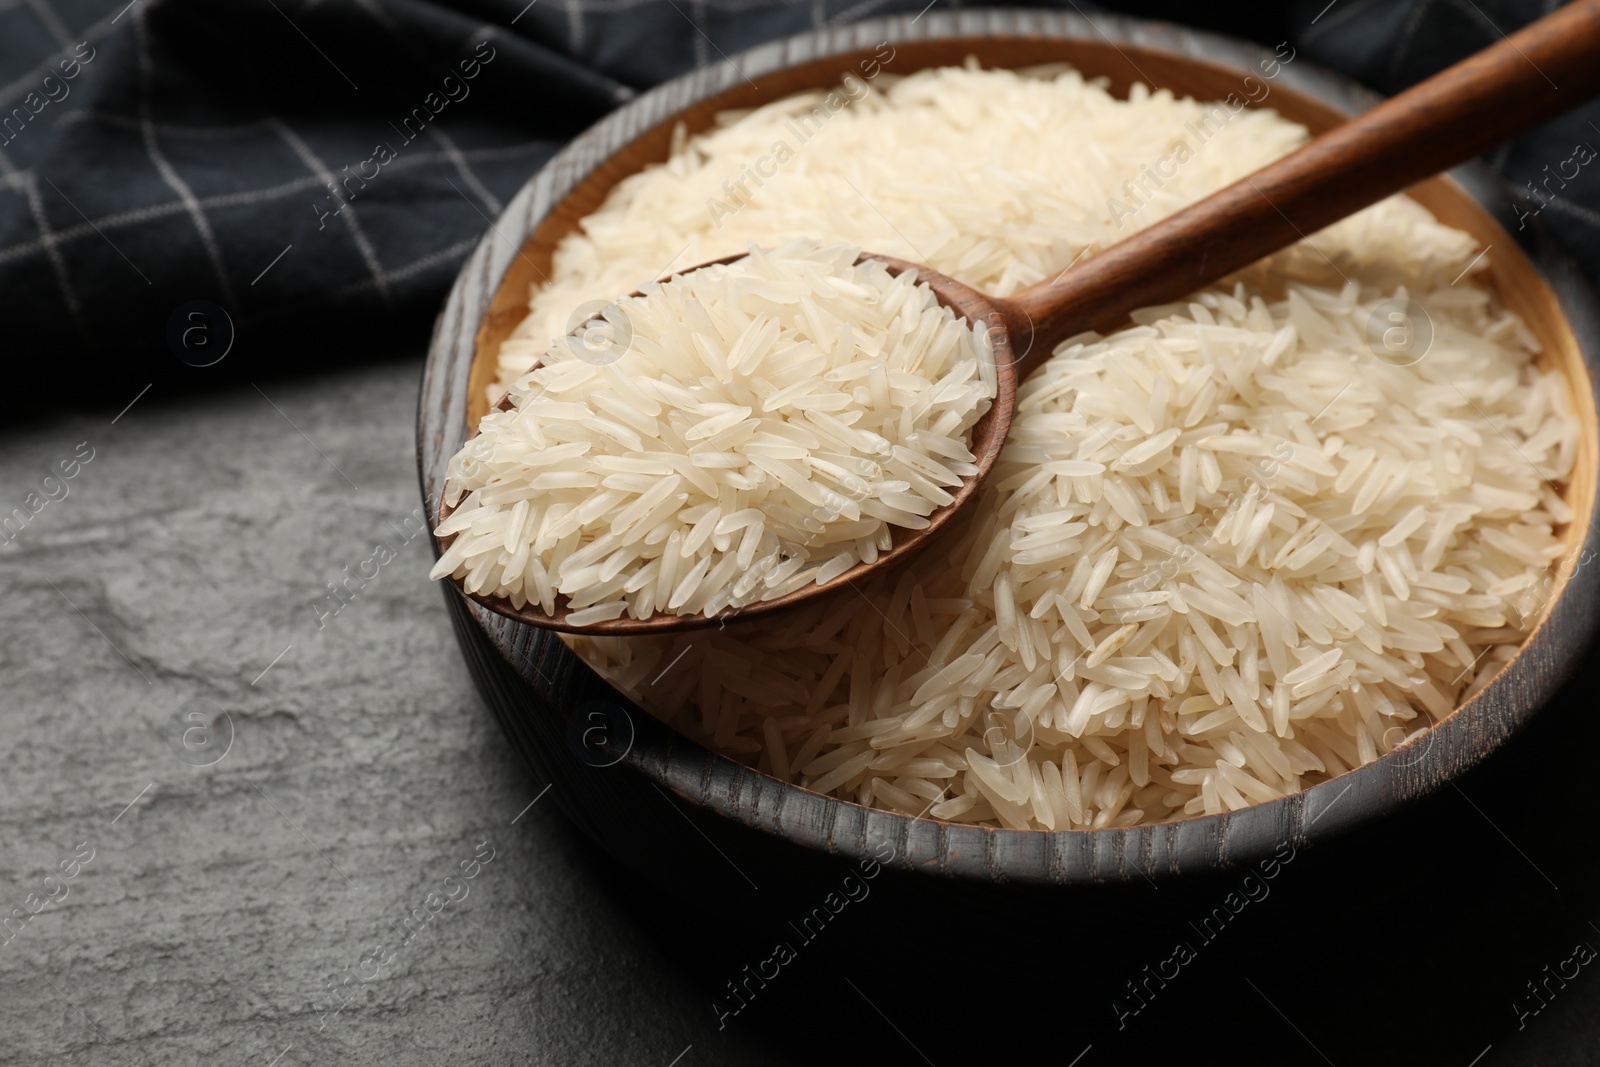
721	786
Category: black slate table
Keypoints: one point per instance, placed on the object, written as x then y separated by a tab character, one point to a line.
245	821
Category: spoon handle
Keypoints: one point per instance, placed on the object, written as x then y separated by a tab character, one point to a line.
1539	72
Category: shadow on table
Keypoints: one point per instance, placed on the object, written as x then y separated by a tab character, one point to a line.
1449	933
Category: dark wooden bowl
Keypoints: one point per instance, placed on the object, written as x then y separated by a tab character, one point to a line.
726	836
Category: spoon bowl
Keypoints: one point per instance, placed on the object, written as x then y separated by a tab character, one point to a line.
988	436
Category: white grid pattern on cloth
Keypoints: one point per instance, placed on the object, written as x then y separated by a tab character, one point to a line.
416	266
449	254
574	9
251	196
1408	33
727	7
702	53
1577	211
208	238
165	129
96	32
464	168
51	22
1348	10
457	157
52	243
157	211
188	203
58	264
303	151
378	14
856	11
12	176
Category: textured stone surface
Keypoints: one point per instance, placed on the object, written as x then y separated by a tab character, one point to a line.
188	562
186	557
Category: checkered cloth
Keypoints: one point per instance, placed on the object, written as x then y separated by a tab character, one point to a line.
167	152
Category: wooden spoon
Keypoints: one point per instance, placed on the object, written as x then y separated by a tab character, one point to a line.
1543	70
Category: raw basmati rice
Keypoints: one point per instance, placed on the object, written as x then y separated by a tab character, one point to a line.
734	434
1228	551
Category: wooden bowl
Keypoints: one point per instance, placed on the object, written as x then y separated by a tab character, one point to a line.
726	836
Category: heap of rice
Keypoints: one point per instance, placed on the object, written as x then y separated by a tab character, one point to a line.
734	434
1229	552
